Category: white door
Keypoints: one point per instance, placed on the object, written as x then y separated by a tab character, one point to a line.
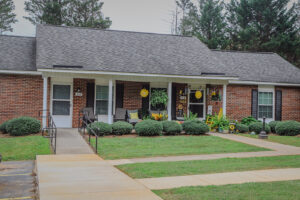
62	105
197	106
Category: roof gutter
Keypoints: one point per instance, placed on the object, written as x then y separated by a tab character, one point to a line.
263	83
137	74
20	72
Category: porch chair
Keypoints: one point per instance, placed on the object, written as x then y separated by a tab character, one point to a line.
133	116
120	114
88	114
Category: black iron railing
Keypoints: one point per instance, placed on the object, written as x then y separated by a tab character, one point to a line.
83	123
50	130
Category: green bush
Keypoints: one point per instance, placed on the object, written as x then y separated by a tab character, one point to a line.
3	127
195	127
121	128
149	128
23	126
248	120
257	127
171	127
242	128
272	125
289	128
100	128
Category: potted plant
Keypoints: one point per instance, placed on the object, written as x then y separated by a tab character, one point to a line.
159	98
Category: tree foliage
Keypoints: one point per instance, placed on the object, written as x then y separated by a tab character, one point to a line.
82	13
7	17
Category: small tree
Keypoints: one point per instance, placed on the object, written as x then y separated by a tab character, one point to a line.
7	17
159	98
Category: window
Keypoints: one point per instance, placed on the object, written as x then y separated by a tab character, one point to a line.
265	104
101	100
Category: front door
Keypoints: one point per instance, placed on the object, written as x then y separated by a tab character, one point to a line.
197	106
62	105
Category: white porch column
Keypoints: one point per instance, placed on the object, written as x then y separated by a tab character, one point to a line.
224	99
110	101
45	94
170	101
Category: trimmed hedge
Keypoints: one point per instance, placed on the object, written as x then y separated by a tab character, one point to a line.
121	128
289	128
100	128
272	125
257	127
171	127
149	128
248	120
23	126
3	127
195	127
242	128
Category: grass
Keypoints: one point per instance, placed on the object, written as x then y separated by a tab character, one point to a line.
120	147
23	148
283	190
289	140
180	168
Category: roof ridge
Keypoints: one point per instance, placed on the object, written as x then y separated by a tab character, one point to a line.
112	30
236	51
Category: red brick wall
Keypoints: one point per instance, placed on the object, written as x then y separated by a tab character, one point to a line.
132	98
290	103
79	102
216	105
239	101
20	95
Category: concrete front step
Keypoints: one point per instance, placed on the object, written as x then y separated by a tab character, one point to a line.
85	176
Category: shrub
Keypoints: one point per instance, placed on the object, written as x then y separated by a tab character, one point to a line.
272	125
149	128
171	127
289	128
242	128
257	127
23	126
248	120
100	128
195	127
121	128
3	127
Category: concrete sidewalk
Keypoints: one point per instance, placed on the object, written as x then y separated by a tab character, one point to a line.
72	177
222	178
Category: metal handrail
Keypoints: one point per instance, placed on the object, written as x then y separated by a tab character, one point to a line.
50	128
85	122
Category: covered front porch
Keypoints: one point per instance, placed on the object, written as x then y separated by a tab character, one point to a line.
66	93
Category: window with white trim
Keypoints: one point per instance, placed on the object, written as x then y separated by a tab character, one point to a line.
265	104
101	100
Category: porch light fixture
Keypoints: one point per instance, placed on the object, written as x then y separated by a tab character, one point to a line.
78	90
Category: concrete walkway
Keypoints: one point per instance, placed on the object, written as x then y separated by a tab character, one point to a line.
78	173
69	141
278	150
222	178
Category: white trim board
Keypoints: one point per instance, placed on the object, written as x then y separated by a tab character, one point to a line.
264	83
20	72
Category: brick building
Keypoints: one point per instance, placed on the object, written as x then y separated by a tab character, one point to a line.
65	69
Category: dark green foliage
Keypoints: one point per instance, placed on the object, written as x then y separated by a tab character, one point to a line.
3	127
23	126
248	120
258	126
149	128
242	128
100	128
171	128
289	128
7	17
195	127
272	125
121	128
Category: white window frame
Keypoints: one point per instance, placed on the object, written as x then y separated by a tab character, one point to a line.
270	90
203	89
100	99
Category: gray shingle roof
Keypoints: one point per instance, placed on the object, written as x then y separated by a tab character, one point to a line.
17	53
121	51
265	67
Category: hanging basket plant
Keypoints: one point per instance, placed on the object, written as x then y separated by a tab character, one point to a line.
158	98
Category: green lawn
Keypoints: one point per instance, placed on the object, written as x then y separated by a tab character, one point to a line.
180	168
283	190
122	147
289	140
23	148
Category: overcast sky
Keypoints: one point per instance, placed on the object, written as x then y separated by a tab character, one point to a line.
131	15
